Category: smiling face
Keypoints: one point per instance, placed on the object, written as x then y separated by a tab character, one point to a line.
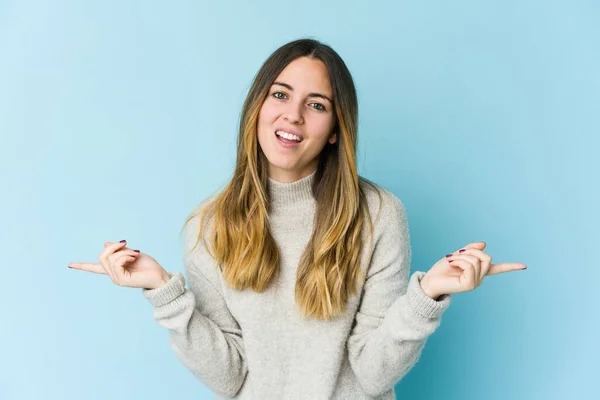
299	102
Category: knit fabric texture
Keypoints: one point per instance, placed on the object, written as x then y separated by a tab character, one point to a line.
249	345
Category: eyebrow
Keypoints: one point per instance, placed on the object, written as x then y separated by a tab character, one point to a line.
309	95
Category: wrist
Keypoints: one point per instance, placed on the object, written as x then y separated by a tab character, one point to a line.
427	289
166	277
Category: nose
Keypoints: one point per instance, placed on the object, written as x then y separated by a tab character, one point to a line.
293	113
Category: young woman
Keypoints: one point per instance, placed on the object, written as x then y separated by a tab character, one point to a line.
298	271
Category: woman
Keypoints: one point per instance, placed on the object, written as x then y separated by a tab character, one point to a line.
300	286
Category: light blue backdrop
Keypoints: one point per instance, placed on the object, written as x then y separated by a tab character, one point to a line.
117	118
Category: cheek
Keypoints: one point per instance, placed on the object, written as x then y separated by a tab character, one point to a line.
323	126
265	124
268	113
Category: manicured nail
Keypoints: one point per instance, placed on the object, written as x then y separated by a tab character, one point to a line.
460	251
448	255
137	251
450	261
123	241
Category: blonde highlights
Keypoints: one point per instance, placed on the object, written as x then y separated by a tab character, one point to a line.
240	241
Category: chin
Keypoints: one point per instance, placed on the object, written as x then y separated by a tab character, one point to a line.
283	166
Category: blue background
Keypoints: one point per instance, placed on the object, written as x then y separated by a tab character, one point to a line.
117	118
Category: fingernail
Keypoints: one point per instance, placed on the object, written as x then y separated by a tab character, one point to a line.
448	255
461	250
137	251
123	241
450	261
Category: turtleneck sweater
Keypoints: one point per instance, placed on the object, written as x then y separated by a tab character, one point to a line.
247	345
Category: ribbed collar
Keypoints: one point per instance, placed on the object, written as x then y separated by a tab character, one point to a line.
289	193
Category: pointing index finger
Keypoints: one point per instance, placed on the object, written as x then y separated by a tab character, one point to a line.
505	267
90	267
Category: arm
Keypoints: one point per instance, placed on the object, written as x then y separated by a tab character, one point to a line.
395	316
202	332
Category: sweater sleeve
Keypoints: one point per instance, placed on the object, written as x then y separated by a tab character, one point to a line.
395	316
202	332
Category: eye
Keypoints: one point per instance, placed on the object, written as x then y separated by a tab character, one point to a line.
321	106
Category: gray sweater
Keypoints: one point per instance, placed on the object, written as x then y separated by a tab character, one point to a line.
248	345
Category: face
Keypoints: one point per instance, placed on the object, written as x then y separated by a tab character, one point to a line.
299	102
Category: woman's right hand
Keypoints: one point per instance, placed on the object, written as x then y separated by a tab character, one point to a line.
126	267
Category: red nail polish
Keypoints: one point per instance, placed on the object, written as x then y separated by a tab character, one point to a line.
448	255
137	251
122	241
460	251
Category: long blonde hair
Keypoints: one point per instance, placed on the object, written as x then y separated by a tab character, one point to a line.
329	270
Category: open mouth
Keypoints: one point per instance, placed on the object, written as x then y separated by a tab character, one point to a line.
289	141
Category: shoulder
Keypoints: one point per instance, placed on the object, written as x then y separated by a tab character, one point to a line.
384	206
194	245
199	261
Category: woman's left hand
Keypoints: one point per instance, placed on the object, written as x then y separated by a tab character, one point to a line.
463	271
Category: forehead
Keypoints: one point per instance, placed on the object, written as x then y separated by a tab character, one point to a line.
305	74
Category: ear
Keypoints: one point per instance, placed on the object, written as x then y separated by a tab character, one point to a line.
333	138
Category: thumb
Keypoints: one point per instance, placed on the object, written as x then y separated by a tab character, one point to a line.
476	245
106	244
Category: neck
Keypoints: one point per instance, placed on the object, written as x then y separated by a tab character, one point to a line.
289	176
287	194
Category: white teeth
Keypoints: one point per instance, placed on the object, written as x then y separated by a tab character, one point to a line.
288	136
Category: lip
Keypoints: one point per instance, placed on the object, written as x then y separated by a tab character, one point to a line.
290	131
291	145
